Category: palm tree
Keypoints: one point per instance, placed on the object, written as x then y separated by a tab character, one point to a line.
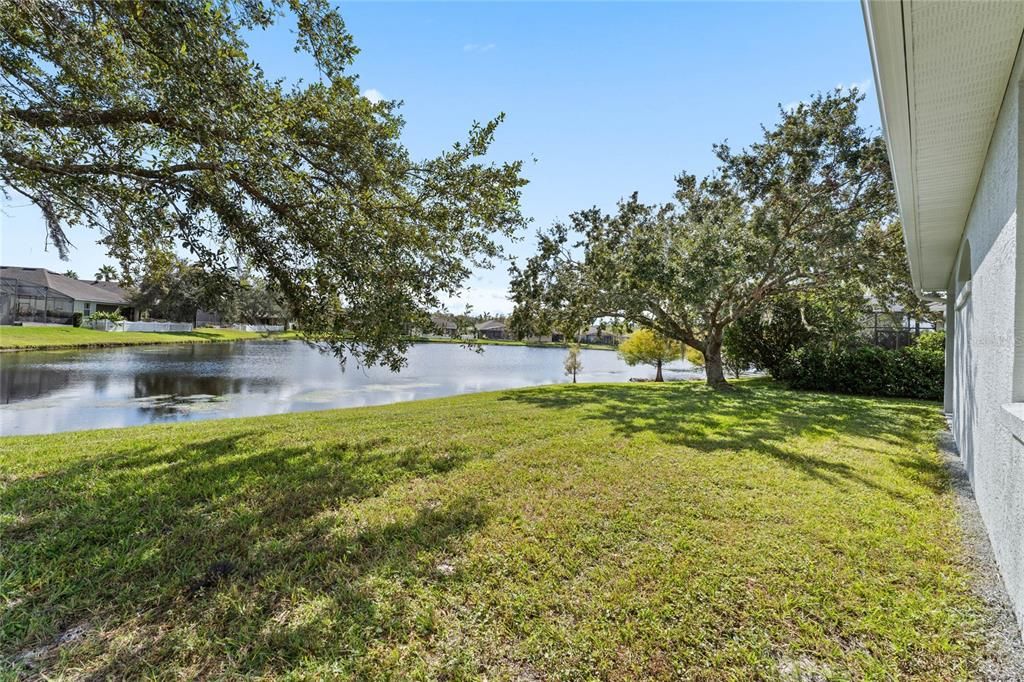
71	273
107	273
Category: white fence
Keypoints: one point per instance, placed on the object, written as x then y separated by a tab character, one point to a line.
124	326
259	327
154	326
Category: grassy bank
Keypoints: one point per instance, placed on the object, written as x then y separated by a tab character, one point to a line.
44	338
636	531
48	338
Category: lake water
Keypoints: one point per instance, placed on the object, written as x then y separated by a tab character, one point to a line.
53	391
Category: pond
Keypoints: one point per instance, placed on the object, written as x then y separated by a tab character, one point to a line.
53	391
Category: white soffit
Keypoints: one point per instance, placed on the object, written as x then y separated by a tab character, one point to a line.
941	70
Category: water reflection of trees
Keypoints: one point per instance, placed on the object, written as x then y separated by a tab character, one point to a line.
26	382
160	383
166	383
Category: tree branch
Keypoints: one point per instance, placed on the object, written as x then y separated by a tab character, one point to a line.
51	118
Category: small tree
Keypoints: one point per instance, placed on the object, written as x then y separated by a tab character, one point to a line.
645	347
573	364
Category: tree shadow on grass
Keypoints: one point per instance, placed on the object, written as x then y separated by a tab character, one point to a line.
123	539
757	416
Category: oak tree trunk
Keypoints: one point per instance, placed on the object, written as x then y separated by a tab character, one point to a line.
713	361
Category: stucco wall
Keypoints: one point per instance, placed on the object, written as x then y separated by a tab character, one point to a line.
983	347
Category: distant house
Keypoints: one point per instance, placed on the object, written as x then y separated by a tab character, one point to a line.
37	295
444	326
597	335
440	325
950	84
491	329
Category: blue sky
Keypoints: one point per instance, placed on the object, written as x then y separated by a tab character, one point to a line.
601	99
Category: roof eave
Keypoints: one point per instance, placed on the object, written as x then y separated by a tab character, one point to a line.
885	28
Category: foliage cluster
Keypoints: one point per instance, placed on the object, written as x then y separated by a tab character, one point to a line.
109	316
153	124
106	273
916	371
171	288
763	339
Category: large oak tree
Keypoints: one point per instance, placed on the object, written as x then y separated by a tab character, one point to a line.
149	122
788	213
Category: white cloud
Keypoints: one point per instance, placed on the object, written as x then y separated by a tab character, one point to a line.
478	47
482	298
373	95
864	87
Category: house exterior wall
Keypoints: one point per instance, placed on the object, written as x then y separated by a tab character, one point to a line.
980	331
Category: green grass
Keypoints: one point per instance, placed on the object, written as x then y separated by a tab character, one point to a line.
632	531
42	338
47	338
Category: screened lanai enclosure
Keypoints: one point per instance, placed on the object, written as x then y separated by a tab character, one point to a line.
38	296
29	302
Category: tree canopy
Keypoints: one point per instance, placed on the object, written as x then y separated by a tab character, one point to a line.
776	327
173	289
788	213
887	273
150	123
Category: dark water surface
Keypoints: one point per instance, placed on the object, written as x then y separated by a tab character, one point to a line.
53	391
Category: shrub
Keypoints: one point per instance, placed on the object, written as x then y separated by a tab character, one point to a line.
916	371
777	327
933	341
115	316
76	320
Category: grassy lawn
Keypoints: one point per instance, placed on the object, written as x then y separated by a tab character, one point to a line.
63	337
45	338
631	531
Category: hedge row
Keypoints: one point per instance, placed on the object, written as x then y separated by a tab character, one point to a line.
913	372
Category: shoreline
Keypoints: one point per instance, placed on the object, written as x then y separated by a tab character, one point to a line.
232	336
